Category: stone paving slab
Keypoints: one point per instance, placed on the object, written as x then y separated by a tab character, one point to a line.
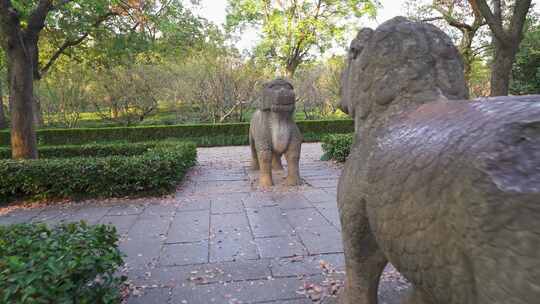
281	246
240	292
189	226
184	254
220	239
269	222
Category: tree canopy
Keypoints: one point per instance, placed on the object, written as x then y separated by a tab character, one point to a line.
294	30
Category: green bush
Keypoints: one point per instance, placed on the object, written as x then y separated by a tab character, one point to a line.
206	132
71	263
337	146
89	150
156	171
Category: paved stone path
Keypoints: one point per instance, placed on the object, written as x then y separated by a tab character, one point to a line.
221	240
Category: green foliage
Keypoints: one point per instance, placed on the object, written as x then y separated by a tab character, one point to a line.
526	69
337	146
293	30
479	79
71	263
199	133
89	150
156	171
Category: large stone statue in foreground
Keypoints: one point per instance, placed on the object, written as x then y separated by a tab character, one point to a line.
446	190
273	133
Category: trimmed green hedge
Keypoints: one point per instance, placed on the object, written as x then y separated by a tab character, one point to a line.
337	146
71	263
202	134
88	150
156	171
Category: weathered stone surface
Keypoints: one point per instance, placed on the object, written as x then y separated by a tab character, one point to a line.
194	203
280	247
240	292
189	226
319	196
274	133
228	203
184	254
269	222
241	270
330	212
307	219
151	296
126	209
445	189
155	210
292	200
320	240
122	223
306	265
144	241
231	238
259	199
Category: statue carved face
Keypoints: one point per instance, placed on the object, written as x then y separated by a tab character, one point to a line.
401	63
278	96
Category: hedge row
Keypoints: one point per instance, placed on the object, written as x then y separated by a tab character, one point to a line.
72	263
88	150
337	146
184	132
156	171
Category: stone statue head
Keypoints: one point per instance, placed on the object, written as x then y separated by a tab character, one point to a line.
400	64
278	96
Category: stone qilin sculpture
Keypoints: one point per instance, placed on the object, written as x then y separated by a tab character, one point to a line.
274	133
445	189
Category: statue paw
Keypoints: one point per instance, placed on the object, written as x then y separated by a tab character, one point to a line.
265	183
293	181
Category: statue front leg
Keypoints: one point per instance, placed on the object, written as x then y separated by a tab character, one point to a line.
254	156
364	260
276	162
265	164
293	164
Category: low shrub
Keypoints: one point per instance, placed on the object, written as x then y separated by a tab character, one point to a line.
88	150
337	146
156	171
71	263
214	132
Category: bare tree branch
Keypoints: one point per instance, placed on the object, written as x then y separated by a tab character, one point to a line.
494	22
518	18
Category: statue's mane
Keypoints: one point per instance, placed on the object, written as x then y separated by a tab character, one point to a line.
399	64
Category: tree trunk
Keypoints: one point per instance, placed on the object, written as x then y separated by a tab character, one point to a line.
501	67
467	54
23	135
291	68
3	121
506	40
